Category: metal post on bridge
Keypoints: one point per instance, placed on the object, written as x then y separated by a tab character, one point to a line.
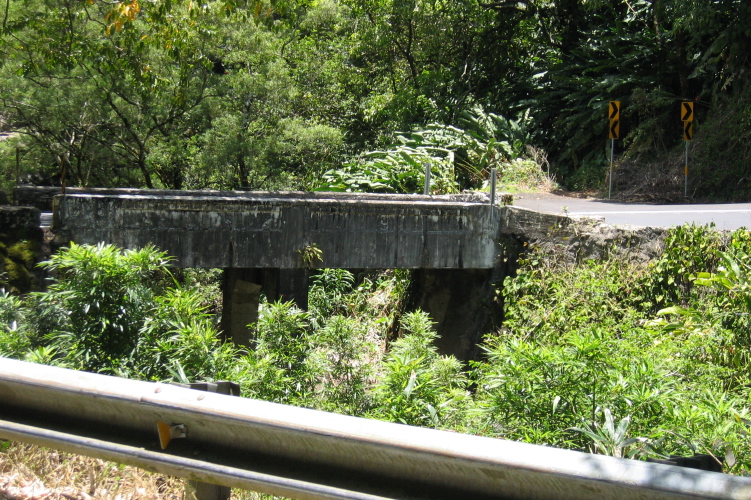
18	165
426	191
493	174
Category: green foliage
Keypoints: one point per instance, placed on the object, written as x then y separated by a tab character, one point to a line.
342	357
311	255
107	296
116	312
322	359
687	251
397	170
116	77
165	94
719	155
582	363
277	364
12	166
609	64
180	338
458	158
231	94
331	294
13	342
583	360
716	329
17	262
611	440
648	55
535	390
546	295
418	386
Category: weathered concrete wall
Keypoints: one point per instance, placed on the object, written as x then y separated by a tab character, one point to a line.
19	221
41	196
271	230
580	238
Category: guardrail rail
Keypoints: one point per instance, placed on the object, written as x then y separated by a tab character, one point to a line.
308	454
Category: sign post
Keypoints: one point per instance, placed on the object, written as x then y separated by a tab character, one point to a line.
614	115
687	117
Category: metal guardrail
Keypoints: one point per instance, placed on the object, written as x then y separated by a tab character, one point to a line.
308	454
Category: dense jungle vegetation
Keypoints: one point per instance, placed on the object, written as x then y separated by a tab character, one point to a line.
625	359
361	94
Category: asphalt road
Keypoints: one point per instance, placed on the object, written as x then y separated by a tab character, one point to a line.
724	216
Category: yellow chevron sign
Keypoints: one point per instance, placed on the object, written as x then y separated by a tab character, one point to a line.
687	111
688	131
615	129
614	112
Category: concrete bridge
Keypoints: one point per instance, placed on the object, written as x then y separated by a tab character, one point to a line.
274	230
459	246
269	242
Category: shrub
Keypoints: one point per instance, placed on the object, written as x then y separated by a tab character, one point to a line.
13	341
107	295
341	360
119	311
417	386
277	366
582	363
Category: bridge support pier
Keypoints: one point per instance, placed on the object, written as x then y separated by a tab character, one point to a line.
242	288
459	301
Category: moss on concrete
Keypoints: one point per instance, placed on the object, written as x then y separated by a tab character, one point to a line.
20	249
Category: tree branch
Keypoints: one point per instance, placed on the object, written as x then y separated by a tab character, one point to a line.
505	4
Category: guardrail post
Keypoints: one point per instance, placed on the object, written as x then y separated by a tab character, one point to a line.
196	490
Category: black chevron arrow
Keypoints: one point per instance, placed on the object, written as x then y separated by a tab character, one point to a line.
614	129
688	112
613	110
688	131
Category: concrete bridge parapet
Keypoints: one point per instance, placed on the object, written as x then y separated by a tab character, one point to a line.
273	230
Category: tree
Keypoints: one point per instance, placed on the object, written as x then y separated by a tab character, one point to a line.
95	84
265	128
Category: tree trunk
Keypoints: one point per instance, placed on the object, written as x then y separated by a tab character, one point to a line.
682	65
144	170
